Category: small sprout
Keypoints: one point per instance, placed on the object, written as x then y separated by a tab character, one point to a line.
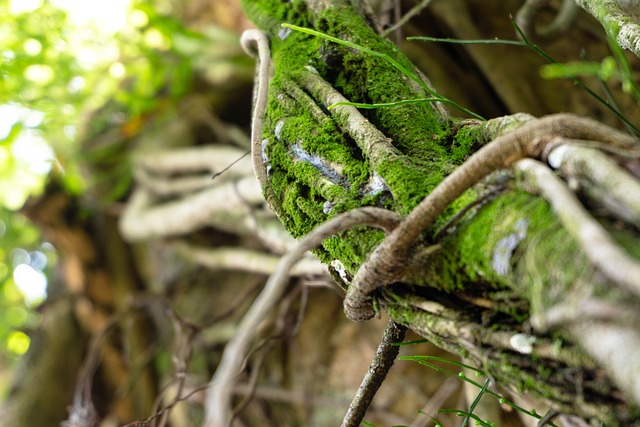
608	68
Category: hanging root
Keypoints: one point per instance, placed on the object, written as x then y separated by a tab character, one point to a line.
218	401
528	13
384	265
255	42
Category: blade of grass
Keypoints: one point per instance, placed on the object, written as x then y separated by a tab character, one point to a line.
475	403
396	64
576	81
461	413
458	41
424	360
540	52
433	420
390	60
443	360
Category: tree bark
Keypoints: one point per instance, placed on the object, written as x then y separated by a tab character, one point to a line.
502	277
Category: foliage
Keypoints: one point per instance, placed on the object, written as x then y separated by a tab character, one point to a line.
54	72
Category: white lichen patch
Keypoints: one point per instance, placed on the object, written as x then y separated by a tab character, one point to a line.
329	170
502	253
629	38
263	151
375	185
522	343
284	32
339	267
327	207
278	129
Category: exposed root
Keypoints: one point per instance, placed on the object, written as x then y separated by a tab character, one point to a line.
601	250
601	178
144	219
526	19
384	265
375	145
619	19
218	401
263	72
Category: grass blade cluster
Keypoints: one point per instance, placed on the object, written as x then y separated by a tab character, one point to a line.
411	75
429	362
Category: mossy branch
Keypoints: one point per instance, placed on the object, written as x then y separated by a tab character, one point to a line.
516	272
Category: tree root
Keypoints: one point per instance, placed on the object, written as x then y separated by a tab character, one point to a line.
263	72
388	263
384	265
218	401
526	16
620	23
600	177
596	243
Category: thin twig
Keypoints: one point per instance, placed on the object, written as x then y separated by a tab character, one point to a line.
406	17
380	365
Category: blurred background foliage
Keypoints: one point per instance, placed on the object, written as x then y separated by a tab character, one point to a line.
72	71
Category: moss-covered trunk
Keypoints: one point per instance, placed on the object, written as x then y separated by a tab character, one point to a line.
504	284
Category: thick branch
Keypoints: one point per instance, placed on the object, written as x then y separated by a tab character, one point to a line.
618	22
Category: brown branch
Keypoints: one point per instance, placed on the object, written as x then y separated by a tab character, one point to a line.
382	362
385	264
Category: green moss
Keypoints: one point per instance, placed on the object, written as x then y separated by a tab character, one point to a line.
489	243
269	14
302	191
465	142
